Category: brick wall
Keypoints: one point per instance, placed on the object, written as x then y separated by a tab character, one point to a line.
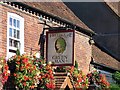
82	51
32	32
3	30
32	29
0	30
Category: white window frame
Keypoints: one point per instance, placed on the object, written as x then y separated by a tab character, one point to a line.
21	19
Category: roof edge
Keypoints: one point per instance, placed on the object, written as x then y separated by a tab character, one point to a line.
104	66
106	51
110	7
70	24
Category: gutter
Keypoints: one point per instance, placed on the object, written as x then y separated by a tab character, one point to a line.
103	66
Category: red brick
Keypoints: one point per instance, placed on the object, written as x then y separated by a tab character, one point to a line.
32	32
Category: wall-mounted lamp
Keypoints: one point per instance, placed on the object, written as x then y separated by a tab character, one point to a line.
91	41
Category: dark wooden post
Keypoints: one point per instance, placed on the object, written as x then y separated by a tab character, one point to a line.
41	43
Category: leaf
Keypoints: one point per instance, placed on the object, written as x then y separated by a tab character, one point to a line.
76	64
18	52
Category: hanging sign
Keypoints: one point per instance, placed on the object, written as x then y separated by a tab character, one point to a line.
60	47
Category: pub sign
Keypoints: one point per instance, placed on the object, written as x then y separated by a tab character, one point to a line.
60	47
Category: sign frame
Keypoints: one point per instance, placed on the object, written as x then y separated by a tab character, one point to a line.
73	38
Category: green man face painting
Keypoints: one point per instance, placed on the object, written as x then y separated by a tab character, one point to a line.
60	45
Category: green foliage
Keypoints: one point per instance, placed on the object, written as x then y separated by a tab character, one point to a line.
30	72
116	77
60	69
99	80
114	87
17	52
78	78
76	64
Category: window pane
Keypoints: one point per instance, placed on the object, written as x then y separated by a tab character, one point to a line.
10	32
18	24
14	22
15	34
10	21
10	42
16	44
18	34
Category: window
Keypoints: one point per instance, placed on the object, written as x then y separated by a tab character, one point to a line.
15	34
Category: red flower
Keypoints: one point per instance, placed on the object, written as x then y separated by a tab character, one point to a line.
50	85
15	74
80	80
6	67
25	60
5	77
18	58
83	85
50	71
32	87
18	63
24	83
28	65
89	75
40	78
26	78
51	77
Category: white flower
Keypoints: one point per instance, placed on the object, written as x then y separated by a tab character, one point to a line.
35	84
2	61
44	64
36	64
0	66
50	63
8	71
53	72
68	74
38	73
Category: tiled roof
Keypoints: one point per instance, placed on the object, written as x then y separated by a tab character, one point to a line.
58	9
115	6
103	58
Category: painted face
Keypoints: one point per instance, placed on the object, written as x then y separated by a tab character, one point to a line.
60	45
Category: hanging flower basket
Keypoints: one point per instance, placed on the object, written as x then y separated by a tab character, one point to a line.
99	80
80	80
31	73
4	72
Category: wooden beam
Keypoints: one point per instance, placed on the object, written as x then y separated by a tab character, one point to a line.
65	83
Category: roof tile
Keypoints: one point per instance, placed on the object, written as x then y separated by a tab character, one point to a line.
58	9
101	57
